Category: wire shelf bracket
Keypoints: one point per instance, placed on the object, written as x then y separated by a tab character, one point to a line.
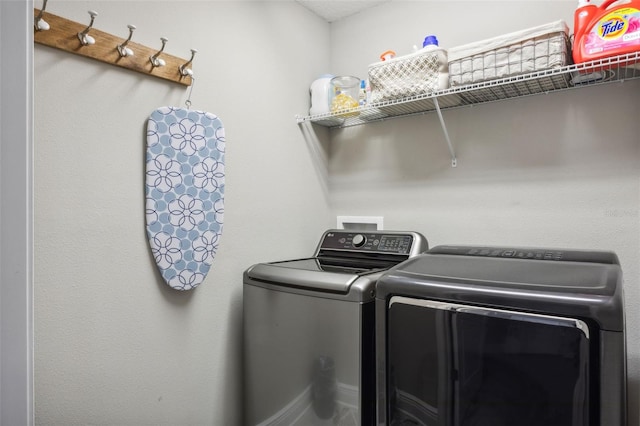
454	160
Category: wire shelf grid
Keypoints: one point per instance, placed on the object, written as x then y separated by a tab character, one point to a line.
617	68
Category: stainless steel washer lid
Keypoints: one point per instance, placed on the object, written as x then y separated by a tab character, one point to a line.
283	274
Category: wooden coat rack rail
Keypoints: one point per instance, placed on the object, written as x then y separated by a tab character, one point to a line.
63	35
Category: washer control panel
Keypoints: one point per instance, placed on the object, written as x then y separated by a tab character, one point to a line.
377	242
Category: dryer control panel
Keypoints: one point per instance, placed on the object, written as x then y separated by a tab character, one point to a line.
529	253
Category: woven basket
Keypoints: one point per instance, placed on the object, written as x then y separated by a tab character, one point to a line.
533	49
419	73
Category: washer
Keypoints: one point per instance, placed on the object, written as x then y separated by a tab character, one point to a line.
309	327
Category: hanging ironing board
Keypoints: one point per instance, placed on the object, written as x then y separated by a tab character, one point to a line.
184	188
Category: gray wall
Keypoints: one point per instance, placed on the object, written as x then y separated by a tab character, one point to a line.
114	344
556	170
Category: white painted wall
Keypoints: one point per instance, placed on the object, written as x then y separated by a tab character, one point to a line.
557	170
114	344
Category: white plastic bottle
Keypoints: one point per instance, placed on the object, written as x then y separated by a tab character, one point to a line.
430	44
320	96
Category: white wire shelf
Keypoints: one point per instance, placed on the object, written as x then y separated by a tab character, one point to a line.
618	68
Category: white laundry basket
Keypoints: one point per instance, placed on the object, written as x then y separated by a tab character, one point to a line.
521	52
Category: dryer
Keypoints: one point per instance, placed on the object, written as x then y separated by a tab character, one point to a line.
497	336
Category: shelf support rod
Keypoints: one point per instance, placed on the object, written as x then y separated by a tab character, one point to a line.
454	161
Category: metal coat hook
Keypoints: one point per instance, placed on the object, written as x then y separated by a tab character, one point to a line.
155	60
39	23
73	37
193	82
184	71
84	36
123	50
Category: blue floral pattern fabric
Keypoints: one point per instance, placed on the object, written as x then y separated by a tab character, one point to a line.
184	187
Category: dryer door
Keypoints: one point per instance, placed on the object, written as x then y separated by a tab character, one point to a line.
462	365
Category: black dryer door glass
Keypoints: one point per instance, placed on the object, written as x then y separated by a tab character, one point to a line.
455	365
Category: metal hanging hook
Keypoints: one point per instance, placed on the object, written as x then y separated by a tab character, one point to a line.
155	60
184	71
39	23
123	50
193	82
84	36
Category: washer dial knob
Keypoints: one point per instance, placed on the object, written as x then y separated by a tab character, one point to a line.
358	240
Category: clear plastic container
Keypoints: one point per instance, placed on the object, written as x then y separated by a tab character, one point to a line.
345	91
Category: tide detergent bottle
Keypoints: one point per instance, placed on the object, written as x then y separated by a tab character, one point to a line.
582	17
611	29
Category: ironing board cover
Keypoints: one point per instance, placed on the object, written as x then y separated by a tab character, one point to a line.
184	188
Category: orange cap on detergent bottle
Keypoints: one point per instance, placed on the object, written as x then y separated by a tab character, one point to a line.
389	54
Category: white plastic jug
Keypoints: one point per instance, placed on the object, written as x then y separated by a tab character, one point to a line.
320	94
